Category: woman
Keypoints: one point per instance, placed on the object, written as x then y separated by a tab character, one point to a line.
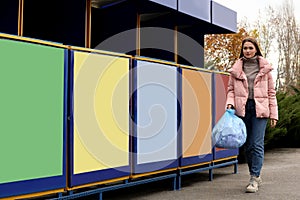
251	93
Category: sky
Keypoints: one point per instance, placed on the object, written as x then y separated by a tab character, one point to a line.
250	8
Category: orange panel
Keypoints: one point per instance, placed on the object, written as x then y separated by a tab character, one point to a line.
196	113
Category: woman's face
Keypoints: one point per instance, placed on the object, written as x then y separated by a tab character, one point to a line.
249	50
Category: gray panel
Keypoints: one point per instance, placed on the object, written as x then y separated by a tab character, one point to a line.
168	3
196	8
156	112
224	17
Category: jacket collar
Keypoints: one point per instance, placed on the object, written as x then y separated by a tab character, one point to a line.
237	69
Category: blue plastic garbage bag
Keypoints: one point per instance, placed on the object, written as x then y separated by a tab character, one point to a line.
230	131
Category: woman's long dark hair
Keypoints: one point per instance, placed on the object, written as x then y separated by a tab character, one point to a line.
254	42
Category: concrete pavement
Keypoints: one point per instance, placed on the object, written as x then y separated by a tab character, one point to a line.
280	174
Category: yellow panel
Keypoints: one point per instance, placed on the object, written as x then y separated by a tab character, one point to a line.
101	112
196	113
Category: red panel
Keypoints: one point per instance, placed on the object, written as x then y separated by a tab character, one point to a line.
221	81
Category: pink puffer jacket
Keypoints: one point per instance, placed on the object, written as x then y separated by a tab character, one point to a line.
264	92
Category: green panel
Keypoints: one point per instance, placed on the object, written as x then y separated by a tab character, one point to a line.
31	111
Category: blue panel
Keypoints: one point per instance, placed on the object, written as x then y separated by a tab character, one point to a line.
168	3
224	17
225	153
156	166
196	160
9	16
156	122
196	8
97	176
32	186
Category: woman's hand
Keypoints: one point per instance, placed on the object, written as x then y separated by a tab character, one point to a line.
229	106
273	123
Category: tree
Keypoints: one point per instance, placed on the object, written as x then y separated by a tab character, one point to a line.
287	131
266	30
287	39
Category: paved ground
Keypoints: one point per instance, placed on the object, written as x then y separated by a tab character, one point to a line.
281	181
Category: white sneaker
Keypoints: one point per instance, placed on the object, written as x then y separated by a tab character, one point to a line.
253	185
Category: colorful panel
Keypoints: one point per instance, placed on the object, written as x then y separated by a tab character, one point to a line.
9	16
221	84
168	3
32	115
196	8
223	17
156	124
196	113
101	118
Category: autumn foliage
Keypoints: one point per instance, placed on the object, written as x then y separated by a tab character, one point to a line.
222	50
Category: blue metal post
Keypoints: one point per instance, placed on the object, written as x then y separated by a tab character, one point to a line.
177	185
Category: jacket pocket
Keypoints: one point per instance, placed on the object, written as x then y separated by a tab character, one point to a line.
262	107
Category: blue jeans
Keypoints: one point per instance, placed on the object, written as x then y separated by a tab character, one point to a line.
254	146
